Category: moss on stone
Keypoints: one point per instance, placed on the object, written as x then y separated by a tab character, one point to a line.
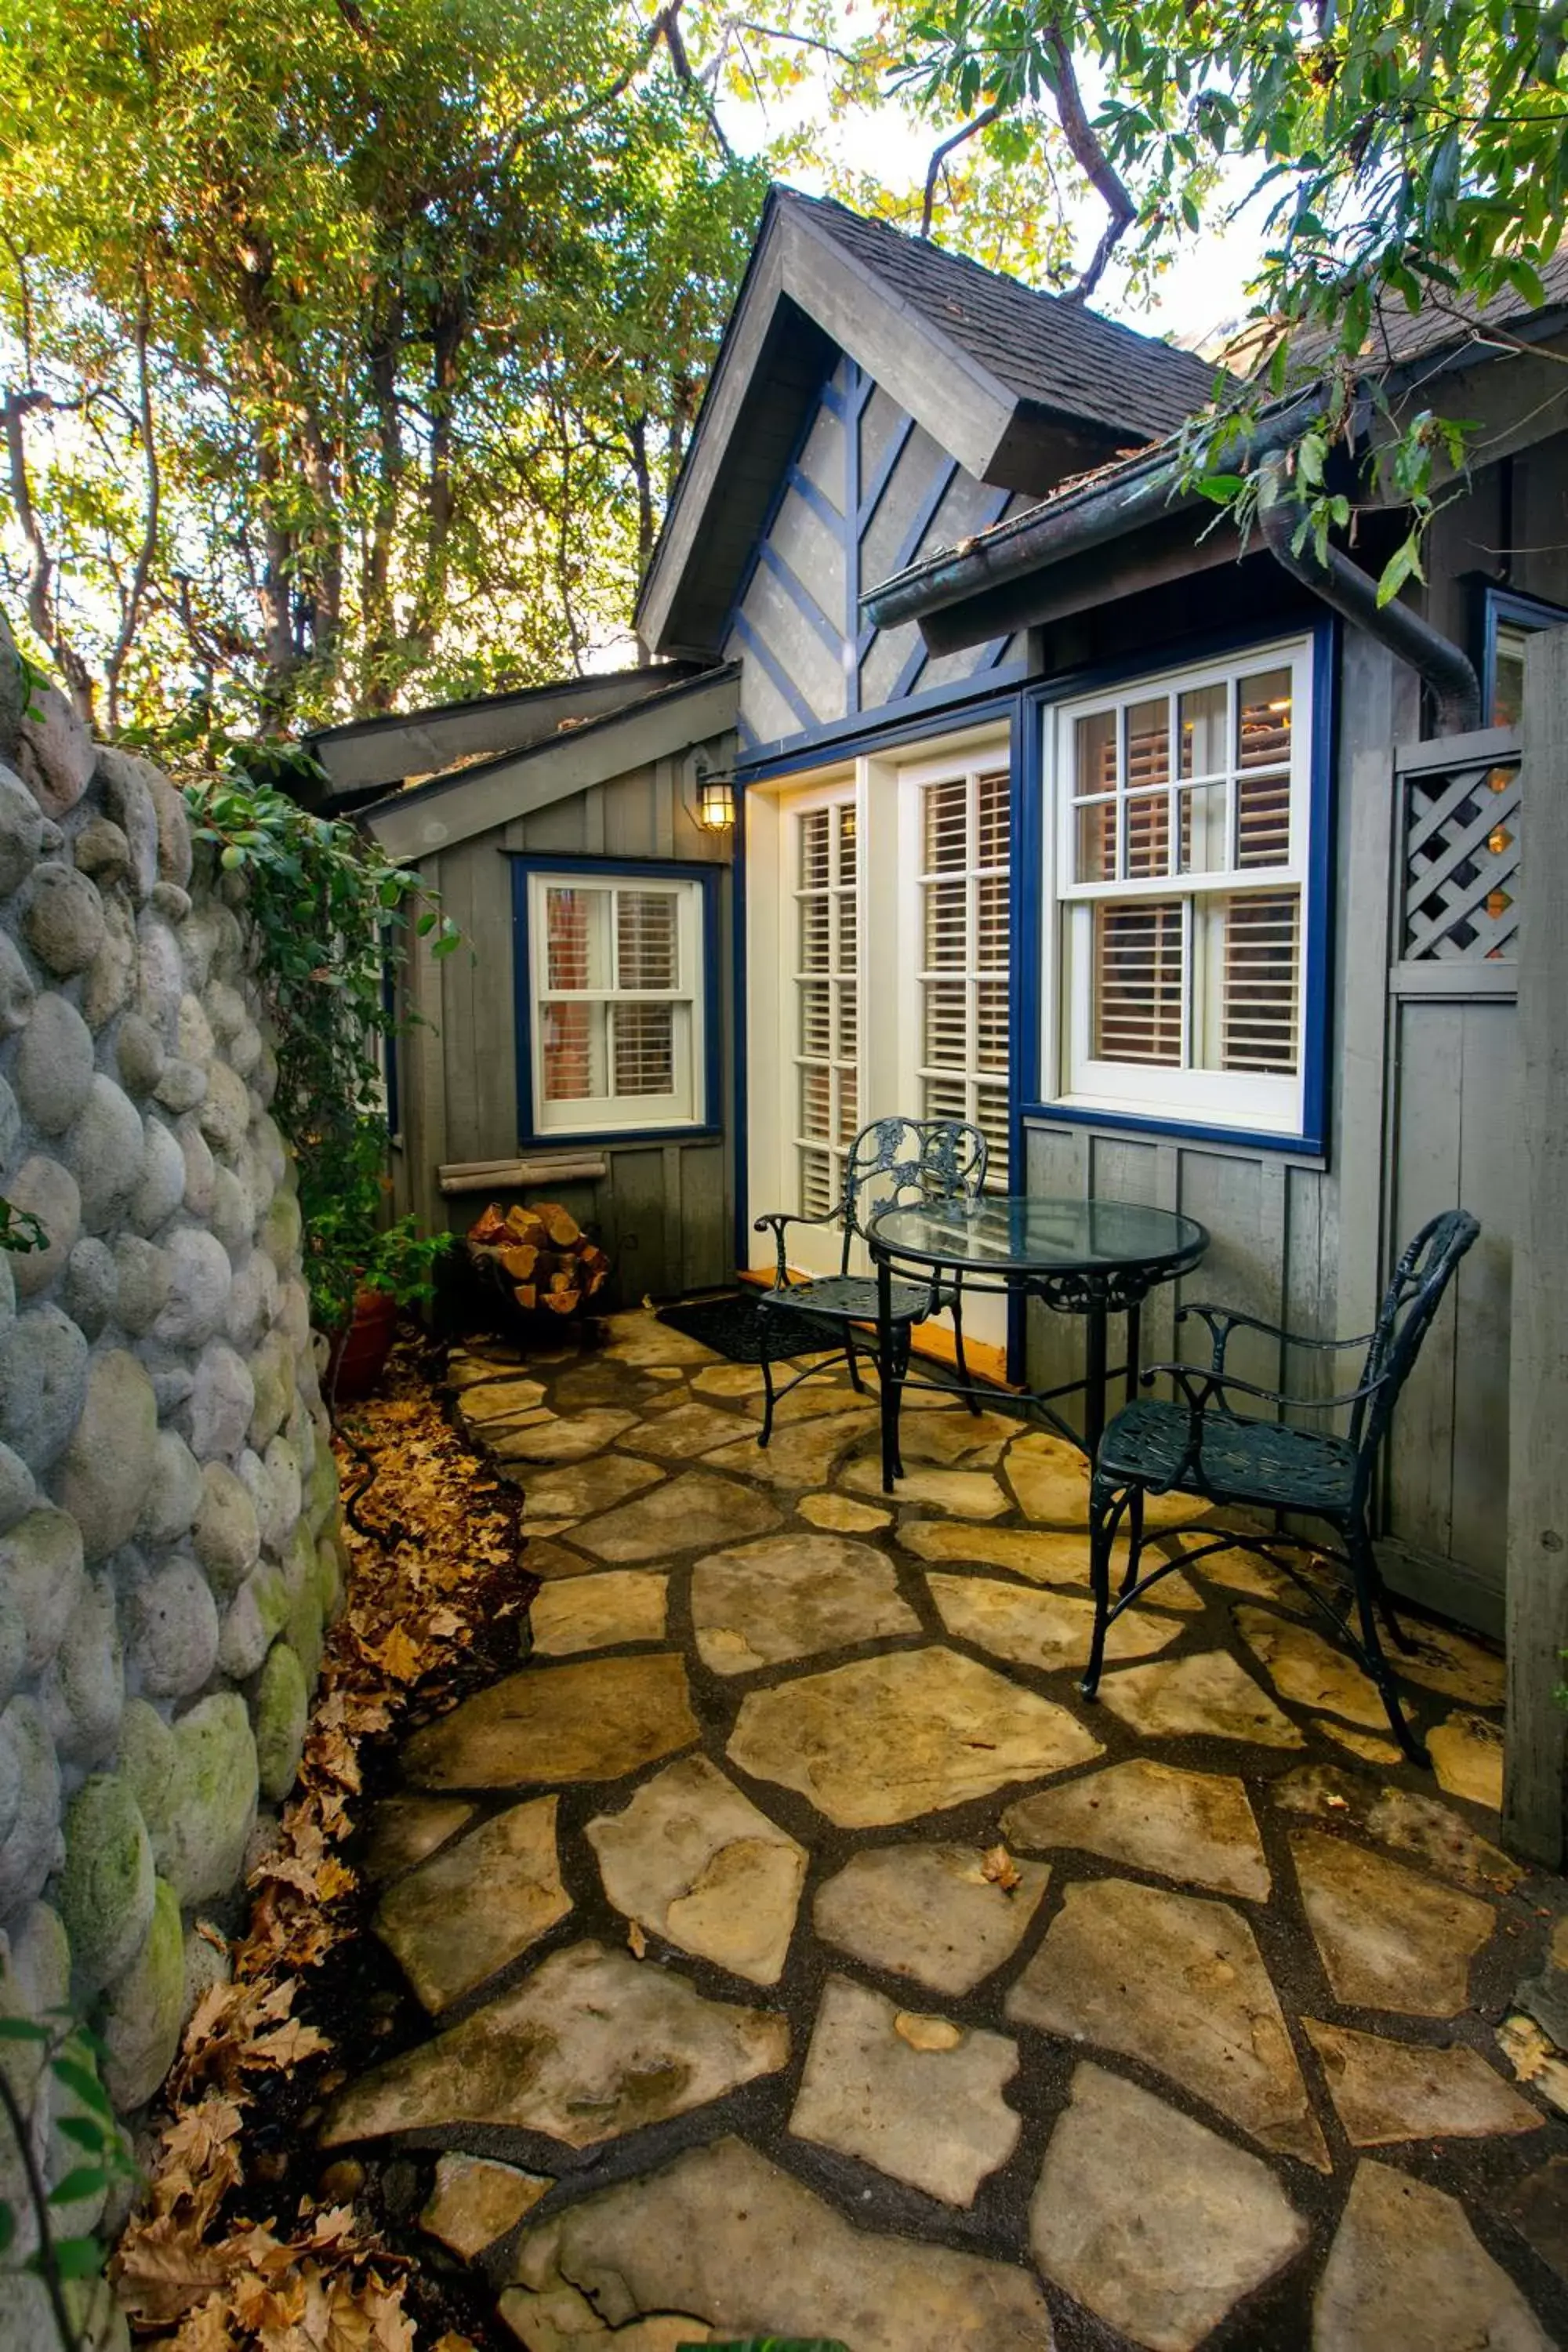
106	1883
282	1706
140	2027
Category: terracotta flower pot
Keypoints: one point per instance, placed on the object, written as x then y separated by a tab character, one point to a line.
359	1352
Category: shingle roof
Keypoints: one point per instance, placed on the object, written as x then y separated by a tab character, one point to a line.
1042	348
1399	336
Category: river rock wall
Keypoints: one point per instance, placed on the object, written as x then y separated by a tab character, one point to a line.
169	1551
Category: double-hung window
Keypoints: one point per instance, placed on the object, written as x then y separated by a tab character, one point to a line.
1182	858
617	1002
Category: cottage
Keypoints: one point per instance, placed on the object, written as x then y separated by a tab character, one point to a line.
974	771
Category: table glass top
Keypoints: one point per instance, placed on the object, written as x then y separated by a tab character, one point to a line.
1039	1234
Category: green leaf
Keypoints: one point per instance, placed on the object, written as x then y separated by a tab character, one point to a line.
85	2083
77	2258
82	2181
1403	564
23	2029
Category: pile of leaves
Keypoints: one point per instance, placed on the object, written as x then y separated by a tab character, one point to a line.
205	2264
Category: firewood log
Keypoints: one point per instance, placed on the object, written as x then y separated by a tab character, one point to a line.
563	1228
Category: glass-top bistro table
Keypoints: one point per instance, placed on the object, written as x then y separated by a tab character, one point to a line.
1093	1258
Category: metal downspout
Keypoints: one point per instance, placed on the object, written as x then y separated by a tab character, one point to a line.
1354	593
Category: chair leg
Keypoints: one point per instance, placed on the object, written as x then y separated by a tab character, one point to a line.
1368	1584
764	1332
894	1371
1102	1535
1134	1538
856	1382
971	1400
1396	1631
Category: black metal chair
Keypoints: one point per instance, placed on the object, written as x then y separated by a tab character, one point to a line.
1200	1446
891	1161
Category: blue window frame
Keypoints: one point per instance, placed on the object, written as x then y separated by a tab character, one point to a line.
1178	1026
1506	620
614	970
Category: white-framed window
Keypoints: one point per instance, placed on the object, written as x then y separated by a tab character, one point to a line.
962	948
1179	859
618	1011
825	850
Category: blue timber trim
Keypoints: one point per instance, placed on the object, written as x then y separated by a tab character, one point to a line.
525	863
769	663
1498	604
1323	630
872	497
821	505
935	712
740	1126
801	597
848	653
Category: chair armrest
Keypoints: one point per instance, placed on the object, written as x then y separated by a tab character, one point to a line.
1222	1320
777	1219
1201	1388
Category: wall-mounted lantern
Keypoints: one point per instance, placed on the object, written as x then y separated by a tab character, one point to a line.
715	799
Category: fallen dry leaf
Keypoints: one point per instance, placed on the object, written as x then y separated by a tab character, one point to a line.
637	1941
927	2032
998	1866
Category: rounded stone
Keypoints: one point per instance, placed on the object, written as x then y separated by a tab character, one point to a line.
294	1314
173	1494
143	2013
172	1386
106	1150
101	850
91	1286
280	1231
225	1117
174	853
173	1629
232	1214
29	1803
199	1280
200	1167
272	1374
206	1966
8	1287
84	1691
282	1710
142	1278
108	1465
254	1618
329	1575
160	977
64	922
106	1889
21	831
10	1127
139	1055
194	1039
49	1193
43	1384
181	1085
227	1537
17	988
283	1491
162	1185
128	789
108	981
245	1050
222	1401
41	1573
19	1492
53	1065
212	1792
173	903
57	754
252	1301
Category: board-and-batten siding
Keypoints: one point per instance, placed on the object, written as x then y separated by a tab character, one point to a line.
1420	1113
869	491
663	1210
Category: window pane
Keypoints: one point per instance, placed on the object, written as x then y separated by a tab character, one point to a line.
847	907
815	1019
945	925
991	1025
816	1102
945	1099
1263	719
848	1024
1262	977
991	1118
646	939
946	826
1201	727
815	935
991	923
1148	742
1508	675
816	848
576	938
945	1045
847	845
1263	819
1203	847
995	816
572	1042
1138	983
1094	764
644	1049
818	1183
1148	822
848	1105
1097	842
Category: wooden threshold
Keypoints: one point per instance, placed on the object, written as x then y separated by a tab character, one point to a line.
927	1339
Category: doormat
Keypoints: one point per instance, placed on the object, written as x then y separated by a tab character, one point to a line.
732	1328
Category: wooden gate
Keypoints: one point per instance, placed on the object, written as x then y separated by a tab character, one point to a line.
1451	1139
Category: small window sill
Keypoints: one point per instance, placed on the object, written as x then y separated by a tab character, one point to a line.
1308	1149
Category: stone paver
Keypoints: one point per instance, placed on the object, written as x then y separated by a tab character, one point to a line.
723	2233
1045	1555
929	1912
563	1440
563	1496
1389	1939
1467	1758
841	1515
475	2201
888	1738
695	1508
1049	1631
594	1612
1304	1667
684	1430
595	1719
476	1904
543	1557
406	1829
496	1398
696	1862
643	1339
925	2106
1433	1834
791	1596
1449	1665
954	1440
1407	2274
1179	1982
592	2045
1195	1826
1384	2092
1153	2220
967	1494
1050	1479
728	1381
801	1455
1204	1695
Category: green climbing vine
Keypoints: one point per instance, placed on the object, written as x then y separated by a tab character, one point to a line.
69	2267
328	909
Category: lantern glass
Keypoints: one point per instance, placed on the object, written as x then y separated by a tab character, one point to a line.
715	803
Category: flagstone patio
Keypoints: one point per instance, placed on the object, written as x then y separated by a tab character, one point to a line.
802	1953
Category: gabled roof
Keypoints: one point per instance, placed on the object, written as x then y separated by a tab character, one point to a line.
1020	386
